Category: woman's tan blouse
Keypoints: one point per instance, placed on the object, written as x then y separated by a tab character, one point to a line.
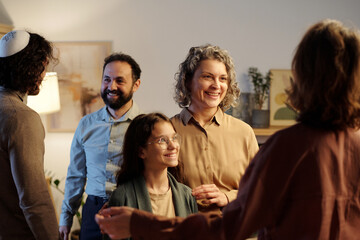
217	153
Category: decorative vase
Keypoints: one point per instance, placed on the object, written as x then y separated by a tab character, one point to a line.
260	118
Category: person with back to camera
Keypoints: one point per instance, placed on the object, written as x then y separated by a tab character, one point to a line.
151	146
96	146
26	209
304	182
216	148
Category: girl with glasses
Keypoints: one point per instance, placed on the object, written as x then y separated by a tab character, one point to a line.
151	146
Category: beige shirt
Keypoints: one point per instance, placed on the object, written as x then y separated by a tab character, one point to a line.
162	204
217	153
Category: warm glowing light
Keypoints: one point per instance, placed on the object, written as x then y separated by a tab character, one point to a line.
48	100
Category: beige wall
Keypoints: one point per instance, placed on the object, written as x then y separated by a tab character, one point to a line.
158	34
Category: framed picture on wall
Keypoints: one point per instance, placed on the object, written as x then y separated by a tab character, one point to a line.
79	71
280	113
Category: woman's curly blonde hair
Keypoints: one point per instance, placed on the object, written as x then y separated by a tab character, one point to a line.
187	69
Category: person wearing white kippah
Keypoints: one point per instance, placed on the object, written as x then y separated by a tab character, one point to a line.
26	208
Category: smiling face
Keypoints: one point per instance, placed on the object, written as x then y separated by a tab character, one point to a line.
117	86
208	85
155	157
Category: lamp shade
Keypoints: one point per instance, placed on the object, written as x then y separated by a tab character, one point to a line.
48	100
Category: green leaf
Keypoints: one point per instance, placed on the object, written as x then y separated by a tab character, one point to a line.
57	182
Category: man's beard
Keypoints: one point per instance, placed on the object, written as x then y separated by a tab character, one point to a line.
116	103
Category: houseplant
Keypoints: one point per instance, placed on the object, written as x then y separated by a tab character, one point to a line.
261	84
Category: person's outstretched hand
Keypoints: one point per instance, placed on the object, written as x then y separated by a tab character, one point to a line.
115	221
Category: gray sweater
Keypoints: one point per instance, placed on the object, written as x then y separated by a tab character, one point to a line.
26	209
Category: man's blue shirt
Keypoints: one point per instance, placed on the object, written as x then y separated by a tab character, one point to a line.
94	157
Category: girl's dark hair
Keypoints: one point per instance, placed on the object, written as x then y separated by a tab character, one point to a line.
326	69
22	71
136	136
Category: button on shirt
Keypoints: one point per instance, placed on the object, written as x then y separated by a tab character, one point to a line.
94	158
217	153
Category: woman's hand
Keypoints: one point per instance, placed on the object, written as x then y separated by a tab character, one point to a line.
210	193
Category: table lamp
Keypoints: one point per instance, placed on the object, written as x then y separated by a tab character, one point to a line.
48	100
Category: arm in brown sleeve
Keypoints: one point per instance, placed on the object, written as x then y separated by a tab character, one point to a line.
145	225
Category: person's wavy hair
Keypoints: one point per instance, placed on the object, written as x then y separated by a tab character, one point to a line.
22	71
326	69
135	68
136	137
187	69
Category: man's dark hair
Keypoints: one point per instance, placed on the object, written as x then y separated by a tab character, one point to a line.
22	71
135	68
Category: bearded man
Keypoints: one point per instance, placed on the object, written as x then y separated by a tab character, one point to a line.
96	146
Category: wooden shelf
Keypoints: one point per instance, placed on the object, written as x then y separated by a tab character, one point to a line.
267	131
4	28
